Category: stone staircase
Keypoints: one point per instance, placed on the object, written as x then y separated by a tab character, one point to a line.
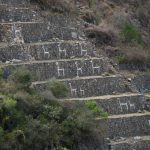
56	47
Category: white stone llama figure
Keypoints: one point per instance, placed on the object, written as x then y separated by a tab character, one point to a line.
122	104
46	53
79	69
61	51
83	50
60	71
73	90
94	67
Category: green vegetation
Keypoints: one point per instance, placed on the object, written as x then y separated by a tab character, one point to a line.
98	111
92	3
131	34
121	59
32	119
58	89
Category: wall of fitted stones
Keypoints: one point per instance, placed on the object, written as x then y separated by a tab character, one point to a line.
53	50
147	103
14	2
63	69
122	105
127	127
17	14
91	87
130	66
133	144
142	83
37	32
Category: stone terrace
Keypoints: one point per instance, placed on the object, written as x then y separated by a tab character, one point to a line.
56	47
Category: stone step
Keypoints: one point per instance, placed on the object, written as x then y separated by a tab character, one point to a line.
60	20
116	104
14	14
90	86
63	68
28	32
131	143
128	125
14	2
147	102
142	83
47	50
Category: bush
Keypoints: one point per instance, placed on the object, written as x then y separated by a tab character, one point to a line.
46	122
92	3
133	54
59	6
1	137
58	89
98	111
1	74
21	76
121	59
131	34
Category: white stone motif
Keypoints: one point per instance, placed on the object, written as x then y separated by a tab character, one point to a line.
126	105
79	69
61	50
83	51
131	105
94	67
73	90
18	38
123	105
60	71
46	53
82	92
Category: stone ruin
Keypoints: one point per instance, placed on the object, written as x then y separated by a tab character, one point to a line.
56	47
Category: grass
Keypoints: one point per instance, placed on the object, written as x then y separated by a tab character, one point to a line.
59	6
58	89
131	34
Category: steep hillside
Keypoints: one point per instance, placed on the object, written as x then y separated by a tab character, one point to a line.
92	51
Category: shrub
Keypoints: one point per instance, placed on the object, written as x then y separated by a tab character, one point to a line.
131	33
92	105
121	59
92	3
59	6
1	137
1	74
21	76
133	54
58	89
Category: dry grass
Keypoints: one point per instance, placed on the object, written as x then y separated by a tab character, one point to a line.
133	54
59	6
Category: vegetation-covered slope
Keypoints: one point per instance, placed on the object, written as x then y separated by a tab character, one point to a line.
33	120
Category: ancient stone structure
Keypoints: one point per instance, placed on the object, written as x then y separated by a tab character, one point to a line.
56	47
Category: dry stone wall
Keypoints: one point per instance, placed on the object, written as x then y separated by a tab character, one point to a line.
56	47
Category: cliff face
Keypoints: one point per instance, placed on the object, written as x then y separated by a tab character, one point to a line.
56	47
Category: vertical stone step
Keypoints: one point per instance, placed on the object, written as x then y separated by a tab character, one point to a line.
37	32
16	14
129	125
47	51
133	143
90	86
14	2
44	70
116	104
